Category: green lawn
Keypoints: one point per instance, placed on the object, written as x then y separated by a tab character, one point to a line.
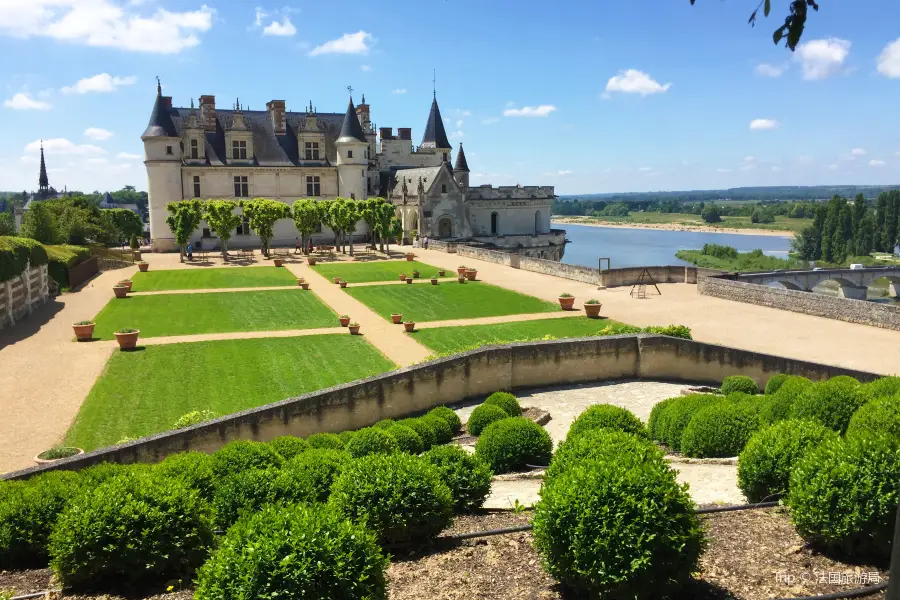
185	314
378	271
145	392
425	302
208	279
450	340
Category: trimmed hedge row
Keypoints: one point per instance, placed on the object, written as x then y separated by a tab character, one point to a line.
16	253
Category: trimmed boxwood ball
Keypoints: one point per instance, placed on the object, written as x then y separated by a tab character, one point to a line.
880	416
329	441
384	424
407	440
243	455
467	476
720	430
739	383
316	470
194	469
449	415
425	431
779	406
677	415
97	474
764	466
658	421
131	533
843	495
506	401
607	416
346	436
882	387
442	431
512	443
289	446
398	496
482	416
249	490
775	382
831	403
605	445
609	529
371	441
295	551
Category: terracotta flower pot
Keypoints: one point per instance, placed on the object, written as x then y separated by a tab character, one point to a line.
566	303
471	273
304	285
396	318
311	261
127	285
409	280
434	281
278	261
337	279
416	274
343	284
409	326
354	329
461	271
344	321
47	461
120	291
127	341
300	280
592	310
143	266
461	278
84	332
442	272
410	256
402	276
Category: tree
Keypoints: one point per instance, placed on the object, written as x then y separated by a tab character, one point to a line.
38	224
880	214
385	213
184	218
307	218
864	236
7	224
806	243
222	219
889	233
395	231
792	30
346	216
710	214
262	213
127	222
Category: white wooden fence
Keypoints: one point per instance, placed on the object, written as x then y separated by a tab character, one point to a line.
20	295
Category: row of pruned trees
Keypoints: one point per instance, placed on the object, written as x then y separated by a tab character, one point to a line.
340	215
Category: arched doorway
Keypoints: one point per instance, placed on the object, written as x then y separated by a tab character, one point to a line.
445	227
537	222
494	223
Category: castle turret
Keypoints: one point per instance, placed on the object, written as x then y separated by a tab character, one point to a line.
43	182
461	169
352	160
435	136
162	156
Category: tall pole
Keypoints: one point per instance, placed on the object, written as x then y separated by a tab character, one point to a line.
893	591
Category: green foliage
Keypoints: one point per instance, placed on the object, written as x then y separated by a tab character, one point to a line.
880	416
467	476
657	422
449	415
710	214
605	529
330	441
717	251
62	257
316	470
831	403
720	430
222	219
442	432
607	416
881	388
739	383
289	446
780	405
606	445
302	552
482	416
247	491
775	382
244	455
513	443
194	469
426	432
371	441
58	452
384	423
131	533
262	214
183	219
125	223
194	417
15	255
675	416
398	496
38	224
507	402
678	331
7	224
843	495
307	218
764	466
407	440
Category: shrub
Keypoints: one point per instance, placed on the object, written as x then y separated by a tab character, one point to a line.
775	382
720	430
678	414
442	432
249	490
831	403
512	443
658	421
607	416
384	424
739	383
346	436
605	445
425	432
94	476
132	532
679	331
608	530
449	415
330	441
764	466
28	512
295	551
506	401
407	440
241	456
881	388
779	406
15	255
194	469
193	417
467	476
289	446
843	495
319	468
482	416
371	441
400	497
879	416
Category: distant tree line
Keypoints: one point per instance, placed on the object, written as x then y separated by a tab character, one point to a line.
126	195
742	194
78	220
759	212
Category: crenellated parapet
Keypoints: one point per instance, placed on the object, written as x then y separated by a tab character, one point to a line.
504	192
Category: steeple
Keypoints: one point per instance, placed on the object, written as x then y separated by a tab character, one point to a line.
351	129
461	164
160	124
435	135
43	182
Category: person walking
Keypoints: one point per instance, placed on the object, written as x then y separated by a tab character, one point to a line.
425	240
190	251
296	245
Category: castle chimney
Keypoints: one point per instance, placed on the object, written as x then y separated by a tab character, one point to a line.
404	133
208	112
167	101
386	133
275	108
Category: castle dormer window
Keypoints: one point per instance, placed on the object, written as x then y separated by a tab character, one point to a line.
312	150
443	188
195	149
239	150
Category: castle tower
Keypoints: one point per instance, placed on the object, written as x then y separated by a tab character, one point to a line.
43	182
162	156
435	136
352	163
461	169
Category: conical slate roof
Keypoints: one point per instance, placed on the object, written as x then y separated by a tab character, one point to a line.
351	129
43	182
461	164
435	135
160	124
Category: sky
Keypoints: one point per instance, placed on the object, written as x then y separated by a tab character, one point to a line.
588	96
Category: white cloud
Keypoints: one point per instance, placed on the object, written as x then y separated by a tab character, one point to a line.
821	59
283	29
399	91
889	60
876	163
490	120
260	15
62	146
128	156
776	168
24	101
763	124
633	81
105	23
645	169
723	170
349	43
102	82
530	111
767	70
749	159
748	167
832	166
561	173
858	152
456	134
459	123
95	133
365	68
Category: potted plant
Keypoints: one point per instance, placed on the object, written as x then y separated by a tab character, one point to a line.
57	453
84	330
337	279
410	256
345	320
120	290
354	328
410	326
143	266
441	272
127	283
311	261
409	280
461	270
343	283
471	273
300	280
592	308
416	274
402	276
304	285
566	301
127	338
278	261
396	318
434	280
461	278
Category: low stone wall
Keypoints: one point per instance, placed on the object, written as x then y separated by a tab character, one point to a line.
471	375
558	269
493	256
810	303
448	247
666	274
22	294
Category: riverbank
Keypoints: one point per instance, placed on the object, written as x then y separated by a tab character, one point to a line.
594	222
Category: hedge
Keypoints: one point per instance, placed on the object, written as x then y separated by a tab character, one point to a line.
289	446
720	430
371	441
425	431
779	405
607	416
16	253
775	382
603	444
831	403
675	416
318	468
449	415
323	441
880	416
506	401
242	455
467	476
482	416
739	383
407	440
63	257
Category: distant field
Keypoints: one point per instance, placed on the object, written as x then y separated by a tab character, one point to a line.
688	220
